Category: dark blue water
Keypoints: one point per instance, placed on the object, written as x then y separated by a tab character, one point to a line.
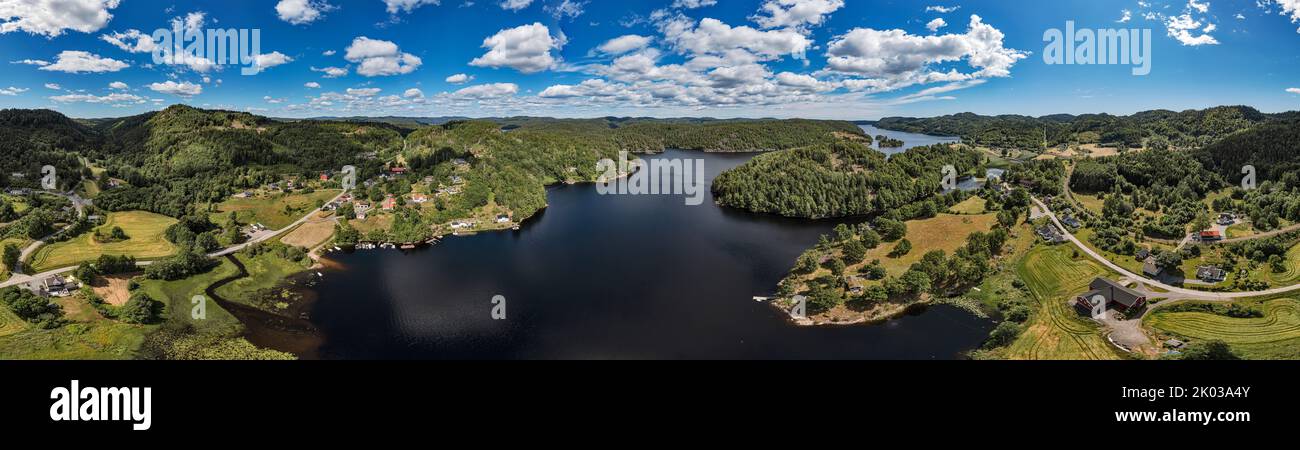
608	277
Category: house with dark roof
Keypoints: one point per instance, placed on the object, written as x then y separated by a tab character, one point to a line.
1143	254
1150	268
1114	295
1211	274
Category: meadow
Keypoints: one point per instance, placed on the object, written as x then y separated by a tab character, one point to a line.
146	241
275	211
1276	335
1056	331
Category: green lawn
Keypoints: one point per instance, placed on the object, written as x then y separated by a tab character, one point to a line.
1274	336
1240	230
275	211
946	232
1057	331
146	241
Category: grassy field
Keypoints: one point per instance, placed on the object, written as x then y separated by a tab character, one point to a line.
1240	230
265	272
1091	202
1056	330
946	232
1274	336
178	294
310	234
88	336
275	211
144	229
971	206
9	323
1288	277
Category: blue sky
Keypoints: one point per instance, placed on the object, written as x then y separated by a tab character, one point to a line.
841	59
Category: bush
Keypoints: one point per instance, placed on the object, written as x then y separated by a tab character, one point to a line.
141	309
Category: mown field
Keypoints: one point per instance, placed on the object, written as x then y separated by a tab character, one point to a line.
946	232
145	230
1056	330
971	206
1274	336
310	234
275	211
10	323
1287	277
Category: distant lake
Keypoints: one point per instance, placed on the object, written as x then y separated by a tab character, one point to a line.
910	140
608	277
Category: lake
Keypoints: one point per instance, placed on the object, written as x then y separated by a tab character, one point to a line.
608	277
910	140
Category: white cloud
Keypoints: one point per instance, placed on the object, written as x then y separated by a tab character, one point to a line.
312	85
624	44
483	91
1294	90
328	53
413	93
74	61
32	62
332	72
364	92
113	99
525	48
1126	16
51	18
795	13
1191	28
53	86
1289	8
132	41
692	4
712	37
395	6
380	58
897	58
300	12
268	60
936	24
183	89
515	5
13	91
565	9
942	9
118	85
460	78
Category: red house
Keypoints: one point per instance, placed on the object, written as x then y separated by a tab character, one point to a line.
1211	236
397	170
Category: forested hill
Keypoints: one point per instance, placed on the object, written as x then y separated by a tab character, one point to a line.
1273	148
30	139
1186	129
844	178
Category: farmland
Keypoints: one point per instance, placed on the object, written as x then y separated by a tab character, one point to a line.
1056	331
275	211
146	241
1276	335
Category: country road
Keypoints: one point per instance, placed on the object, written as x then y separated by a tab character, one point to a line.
77	202
1180	293
18	279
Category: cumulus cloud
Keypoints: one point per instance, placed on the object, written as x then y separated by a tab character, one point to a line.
1125	17
413	93
692	4
712	37
311	85
51	18
525	48
332	72
942	9
13	91
299	12
118	85
380	58
182	89
396	6
624	44
53	86
570	9
795	13
364	92
1191	28
31	62
460	78
515	5
133	41
483	91
903	59
110	99
1290	8
1294	90
936	24
268	60
74	61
